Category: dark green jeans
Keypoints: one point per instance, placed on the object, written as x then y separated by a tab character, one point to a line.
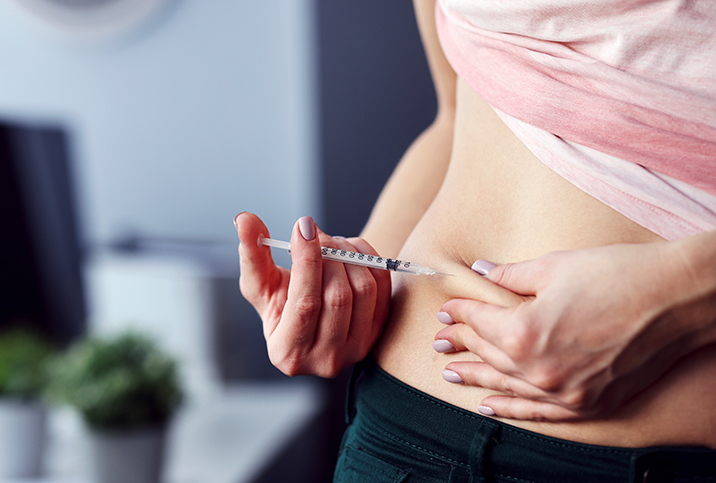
398	434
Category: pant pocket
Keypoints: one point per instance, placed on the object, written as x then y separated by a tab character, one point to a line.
356	466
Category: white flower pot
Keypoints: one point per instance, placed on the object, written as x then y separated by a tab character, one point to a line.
23	428
133	456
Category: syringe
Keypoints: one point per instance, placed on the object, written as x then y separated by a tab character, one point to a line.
355	258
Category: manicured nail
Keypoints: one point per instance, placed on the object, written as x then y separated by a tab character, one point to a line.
442	345
487	411
307	228
452	376
483	267
445	318
236	218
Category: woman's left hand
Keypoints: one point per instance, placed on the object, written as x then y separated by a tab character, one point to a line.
596	327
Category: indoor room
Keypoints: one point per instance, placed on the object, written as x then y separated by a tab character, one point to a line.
131	134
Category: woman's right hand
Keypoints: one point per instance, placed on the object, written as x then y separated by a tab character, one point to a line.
319	317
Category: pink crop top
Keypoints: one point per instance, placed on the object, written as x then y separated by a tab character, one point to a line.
616	96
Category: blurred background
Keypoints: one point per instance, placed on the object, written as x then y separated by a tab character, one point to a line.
133	131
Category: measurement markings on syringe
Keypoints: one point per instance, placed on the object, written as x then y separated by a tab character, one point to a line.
389	263
346	256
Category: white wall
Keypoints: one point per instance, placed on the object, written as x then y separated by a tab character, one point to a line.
204	112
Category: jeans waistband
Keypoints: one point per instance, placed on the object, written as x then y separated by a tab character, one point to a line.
486	445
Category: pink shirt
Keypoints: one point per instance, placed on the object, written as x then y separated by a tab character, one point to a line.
617	96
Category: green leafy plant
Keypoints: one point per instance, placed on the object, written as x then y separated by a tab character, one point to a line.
120	383
23	356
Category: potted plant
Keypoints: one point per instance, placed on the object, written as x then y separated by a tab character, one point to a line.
126	390
22	412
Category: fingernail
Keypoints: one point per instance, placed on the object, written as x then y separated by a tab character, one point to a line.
487	411
236	218
452	376
483	267
307	228
445	318
338	237
442	345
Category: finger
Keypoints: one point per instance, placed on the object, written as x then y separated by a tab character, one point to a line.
383	284
260	277
492	323
560	406
523	409
462	337
525	278
337	303
304	302
482	374
363	287
469	285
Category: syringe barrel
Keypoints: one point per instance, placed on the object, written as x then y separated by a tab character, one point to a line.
374	261
355	258
414	268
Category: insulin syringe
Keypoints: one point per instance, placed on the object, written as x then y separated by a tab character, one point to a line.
355	258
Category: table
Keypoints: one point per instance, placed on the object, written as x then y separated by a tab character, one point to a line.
227	437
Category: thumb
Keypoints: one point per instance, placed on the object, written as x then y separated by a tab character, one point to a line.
521	277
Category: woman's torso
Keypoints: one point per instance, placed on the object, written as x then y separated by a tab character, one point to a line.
500	203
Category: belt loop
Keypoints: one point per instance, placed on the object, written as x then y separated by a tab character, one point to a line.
480	464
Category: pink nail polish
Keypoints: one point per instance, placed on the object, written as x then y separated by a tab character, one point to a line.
452	376
445	318
236	219
307	228
487	411
483	267
442	345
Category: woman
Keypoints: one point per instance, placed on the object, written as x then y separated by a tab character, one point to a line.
583	350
